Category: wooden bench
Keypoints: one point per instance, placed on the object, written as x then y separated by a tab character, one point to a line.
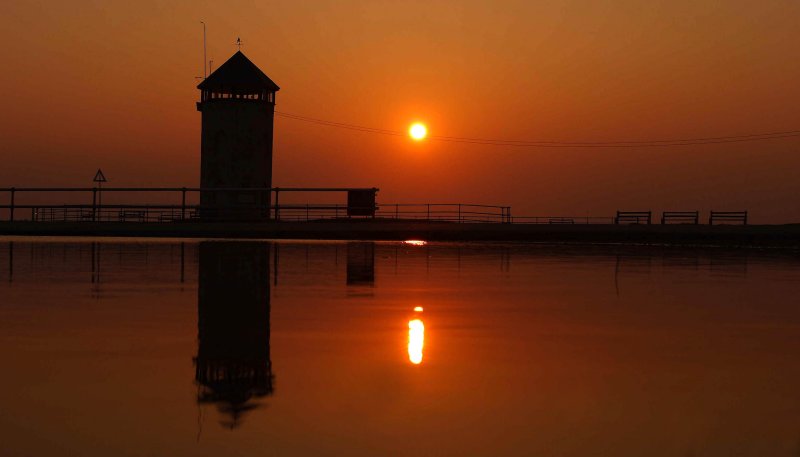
680	217
169	217
137	215
727	217
560	220
310	212
633	217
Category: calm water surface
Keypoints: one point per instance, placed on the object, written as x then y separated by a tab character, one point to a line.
150	348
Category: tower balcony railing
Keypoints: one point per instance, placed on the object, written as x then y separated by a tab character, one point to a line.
261	95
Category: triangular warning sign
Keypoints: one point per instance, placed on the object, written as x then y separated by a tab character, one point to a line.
99	176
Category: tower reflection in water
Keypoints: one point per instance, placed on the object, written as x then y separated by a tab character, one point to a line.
416	337
233	366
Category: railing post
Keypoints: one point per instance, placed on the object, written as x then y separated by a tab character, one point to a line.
94	204
396	210
459	213
429	212
277	206
11	209
306	212
183	205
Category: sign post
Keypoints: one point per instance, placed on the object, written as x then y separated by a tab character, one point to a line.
99	178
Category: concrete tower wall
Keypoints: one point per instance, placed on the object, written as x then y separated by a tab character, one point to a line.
236	151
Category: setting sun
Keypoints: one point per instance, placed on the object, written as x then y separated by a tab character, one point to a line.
418	131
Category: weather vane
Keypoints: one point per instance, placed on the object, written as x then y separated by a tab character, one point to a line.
239	43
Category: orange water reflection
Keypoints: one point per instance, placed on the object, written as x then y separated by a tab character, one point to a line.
416	340
547	356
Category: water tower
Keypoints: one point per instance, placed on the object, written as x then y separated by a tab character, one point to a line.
237	102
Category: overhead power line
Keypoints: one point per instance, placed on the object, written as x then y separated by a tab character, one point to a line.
557	144
339	124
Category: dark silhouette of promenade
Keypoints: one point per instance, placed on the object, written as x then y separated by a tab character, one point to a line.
778	236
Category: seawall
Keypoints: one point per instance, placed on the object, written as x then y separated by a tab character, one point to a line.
772	236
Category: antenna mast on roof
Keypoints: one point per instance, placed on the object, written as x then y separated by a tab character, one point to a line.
205	68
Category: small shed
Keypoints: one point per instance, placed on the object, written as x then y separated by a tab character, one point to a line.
362	202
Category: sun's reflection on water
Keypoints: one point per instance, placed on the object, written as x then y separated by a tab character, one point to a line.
416	339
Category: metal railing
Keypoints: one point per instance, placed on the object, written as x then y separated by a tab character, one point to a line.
273	203
260	205
434	212
174	213
446	212
189	210
111	213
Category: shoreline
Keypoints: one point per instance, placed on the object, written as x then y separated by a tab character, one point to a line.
745	236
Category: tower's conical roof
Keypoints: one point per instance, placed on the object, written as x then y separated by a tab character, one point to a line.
238	74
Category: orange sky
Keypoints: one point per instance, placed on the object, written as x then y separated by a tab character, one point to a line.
112	85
